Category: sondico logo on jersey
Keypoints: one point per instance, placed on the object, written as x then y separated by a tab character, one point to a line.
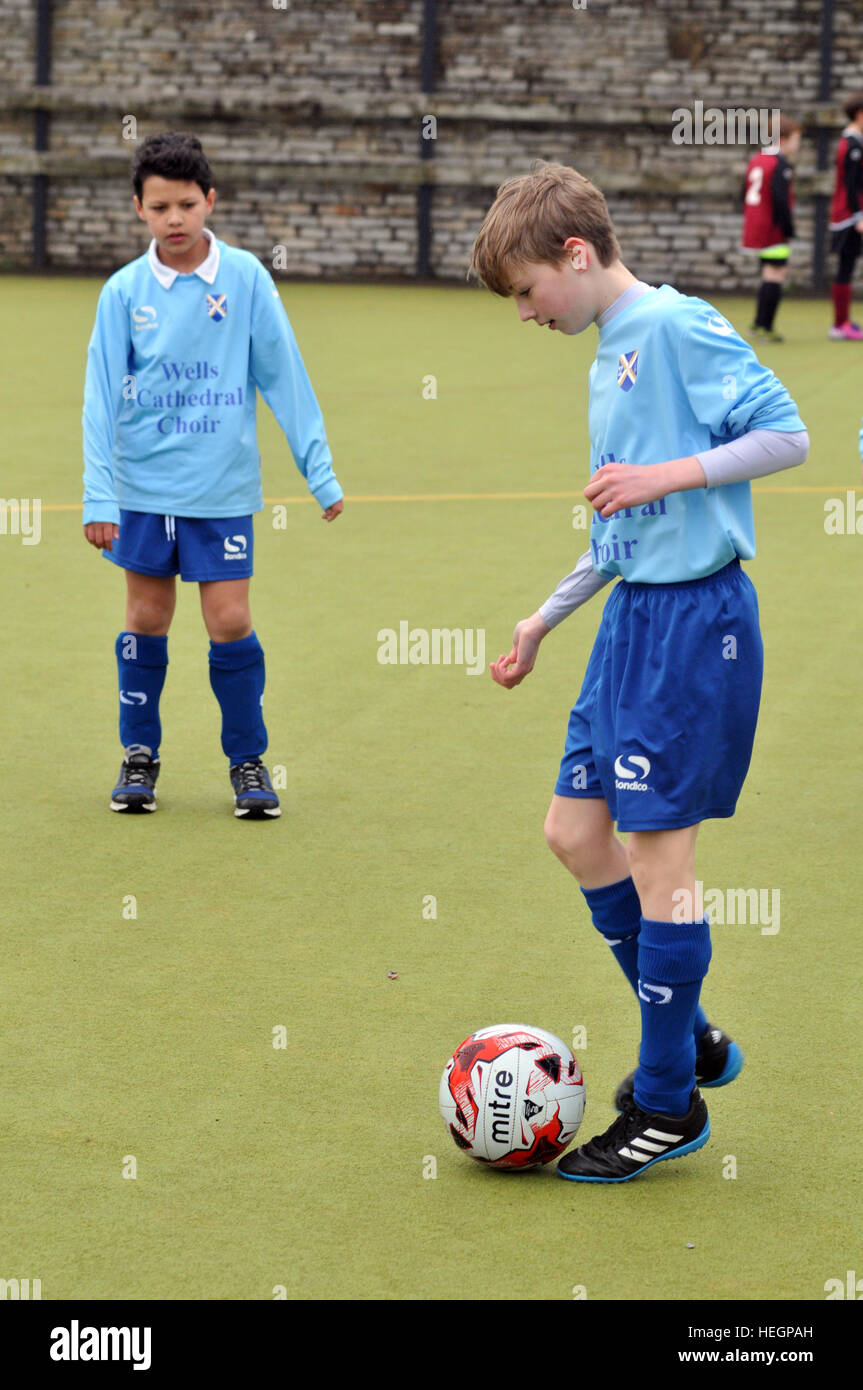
626	779
235	548
144	317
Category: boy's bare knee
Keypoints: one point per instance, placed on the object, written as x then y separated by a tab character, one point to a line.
228	624
555	837
150	603
580	832
567	837
150	618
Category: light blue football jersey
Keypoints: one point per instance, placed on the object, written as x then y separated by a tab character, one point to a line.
174	365
672	378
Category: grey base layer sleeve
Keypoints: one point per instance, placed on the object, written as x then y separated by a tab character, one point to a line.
754	455
573	591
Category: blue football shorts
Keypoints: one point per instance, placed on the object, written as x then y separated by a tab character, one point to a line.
198	549
664	726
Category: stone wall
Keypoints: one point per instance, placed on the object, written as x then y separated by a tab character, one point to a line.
311	116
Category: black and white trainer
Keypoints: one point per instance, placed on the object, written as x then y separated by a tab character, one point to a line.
254	798
718	1059
136	786
636	1140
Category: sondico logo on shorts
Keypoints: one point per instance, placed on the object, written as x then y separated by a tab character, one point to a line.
235	548
627	780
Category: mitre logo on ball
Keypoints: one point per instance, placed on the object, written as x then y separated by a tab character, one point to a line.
512	1096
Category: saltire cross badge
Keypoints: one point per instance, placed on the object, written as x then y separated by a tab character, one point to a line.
217	306
627	370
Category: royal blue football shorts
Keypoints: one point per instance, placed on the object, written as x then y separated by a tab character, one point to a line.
197	549
664	725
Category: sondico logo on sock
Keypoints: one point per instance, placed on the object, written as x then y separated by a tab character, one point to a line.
662	992
133	697
627	780
235	548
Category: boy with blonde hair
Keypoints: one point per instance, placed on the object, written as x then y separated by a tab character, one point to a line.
682	416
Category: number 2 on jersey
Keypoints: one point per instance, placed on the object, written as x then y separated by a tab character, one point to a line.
753	192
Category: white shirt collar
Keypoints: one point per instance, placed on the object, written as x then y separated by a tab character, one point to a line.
208	269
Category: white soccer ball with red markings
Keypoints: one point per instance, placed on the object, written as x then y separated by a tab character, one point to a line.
512	1096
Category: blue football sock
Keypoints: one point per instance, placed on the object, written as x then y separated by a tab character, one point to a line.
700	1026
616	913
142	662
672	961
237	678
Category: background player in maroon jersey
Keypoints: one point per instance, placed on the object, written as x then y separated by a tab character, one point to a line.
846	217
768	221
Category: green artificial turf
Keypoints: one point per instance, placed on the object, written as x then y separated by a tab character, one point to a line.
152	1036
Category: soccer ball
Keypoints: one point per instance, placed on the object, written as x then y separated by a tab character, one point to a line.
512	1096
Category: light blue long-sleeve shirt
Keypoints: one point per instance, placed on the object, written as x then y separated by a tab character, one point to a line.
672	379
173	367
